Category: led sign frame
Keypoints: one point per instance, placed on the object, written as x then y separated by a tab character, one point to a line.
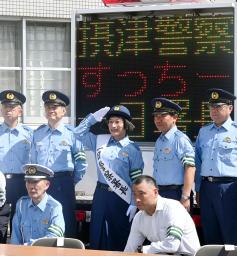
130	60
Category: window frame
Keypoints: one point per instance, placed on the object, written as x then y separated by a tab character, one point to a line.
23	69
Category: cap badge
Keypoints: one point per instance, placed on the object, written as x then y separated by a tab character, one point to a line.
116	108
158	104
215	95
31	170
52	96
10	96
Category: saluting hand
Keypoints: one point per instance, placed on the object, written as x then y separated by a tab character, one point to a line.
99	114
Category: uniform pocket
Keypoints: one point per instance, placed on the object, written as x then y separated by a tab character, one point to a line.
206	150
63	153
42	153
24	148
165	155
228	152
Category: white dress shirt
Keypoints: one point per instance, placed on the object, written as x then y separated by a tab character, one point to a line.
170	230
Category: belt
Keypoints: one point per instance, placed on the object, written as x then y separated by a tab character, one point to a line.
219	179
63	174
104	186
169	187
13	175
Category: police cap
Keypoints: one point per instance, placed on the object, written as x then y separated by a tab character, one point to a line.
220	96
37	172
12	97
163	105
55	98
119	110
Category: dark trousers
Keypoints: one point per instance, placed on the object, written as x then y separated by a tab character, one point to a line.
171	193
15	189
176	195
218	212
62	189
5	212
109	227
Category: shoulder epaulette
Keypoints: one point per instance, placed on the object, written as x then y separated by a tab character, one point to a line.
40	127
27	128
135	145
24	197
69	127
234	124
52	202
179	133
207	124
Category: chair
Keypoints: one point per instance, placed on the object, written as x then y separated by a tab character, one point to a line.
217	250
59	242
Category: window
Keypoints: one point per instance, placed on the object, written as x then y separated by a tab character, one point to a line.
35	57
10	56
47	63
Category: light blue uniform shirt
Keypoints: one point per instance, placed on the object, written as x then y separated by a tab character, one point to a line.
172	151
14	147
216	151
124	157
32	221
59	150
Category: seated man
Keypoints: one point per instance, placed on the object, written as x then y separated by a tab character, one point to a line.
164	222
38	214
5	210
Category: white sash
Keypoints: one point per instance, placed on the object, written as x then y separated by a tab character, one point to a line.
116	183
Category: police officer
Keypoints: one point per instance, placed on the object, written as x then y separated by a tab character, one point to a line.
119	162
55	146
38	214
216	177
174	165
15	145
5	210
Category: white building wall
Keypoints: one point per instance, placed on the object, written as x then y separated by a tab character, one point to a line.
45	8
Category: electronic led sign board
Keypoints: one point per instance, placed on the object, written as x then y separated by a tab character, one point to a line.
130	60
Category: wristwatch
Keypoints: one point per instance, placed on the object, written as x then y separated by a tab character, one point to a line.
185	197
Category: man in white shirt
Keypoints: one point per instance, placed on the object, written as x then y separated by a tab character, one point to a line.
164	222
